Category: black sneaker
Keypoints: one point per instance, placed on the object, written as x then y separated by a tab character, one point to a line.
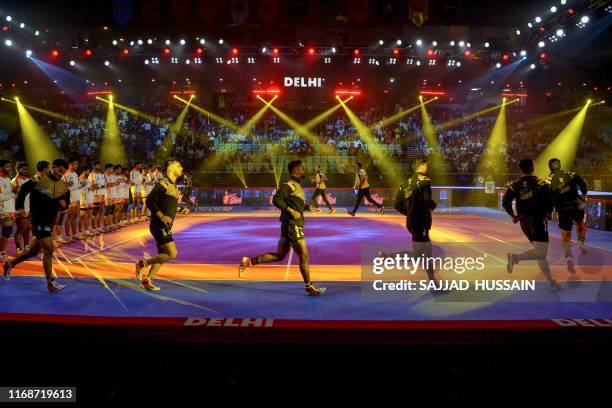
382	210
350	212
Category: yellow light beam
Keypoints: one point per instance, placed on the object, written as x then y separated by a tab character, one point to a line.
392	119
438	163
150	118
214	117
166	149
46	112
494	159
564	146
386	162
454	122
299	129
246	128
112	150
36	143
324	115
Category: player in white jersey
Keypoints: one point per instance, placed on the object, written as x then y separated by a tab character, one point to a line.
122	194
136	191
22	233
148	183
97	182
87	199
72	181
7	207
111	197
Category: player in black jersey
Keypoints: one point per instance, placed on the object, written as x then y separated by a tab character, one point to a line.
534	208
292	203
569	206
415	202
48	195
162	201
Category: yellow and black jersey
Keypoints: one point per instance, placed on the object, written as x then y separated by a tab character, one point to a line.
532	195
320	180
361	173
164	198
564	186
414	199
45	194
290	195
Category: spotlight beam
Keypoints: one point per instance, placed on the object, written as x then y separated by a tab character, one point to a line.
46	112
167	147
36	143
211	115
494	160
437	160
112	150
399	115
564	146
386	162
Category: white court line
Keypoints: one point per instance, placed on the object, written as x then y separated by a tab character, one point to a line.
106	247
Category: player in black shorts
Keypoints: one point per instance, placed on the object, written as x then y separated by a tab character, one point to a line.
415	202
569	206
162	201
48	195
292	203
534	208
320	190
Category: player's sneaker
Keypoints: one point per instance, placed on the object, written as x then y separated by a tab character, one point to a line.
511	262
332	211
317	210
18	251
582	247
349	212
311	290
139	267
244	263
54	287
148	285
569	262
6	269
382	210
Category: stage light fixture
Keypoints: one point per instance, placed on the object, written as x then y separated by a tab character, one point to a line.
563	2
132	43
72	63
467	53
541	44
560	33
311	51
9	18
409	61
584	19
139	42
22	25
199	51
149	41
381	42
202	41
434	43
187	61
264	50
523	53
275	51
37	33
357	60
8	43
107	63
327	60
146	62
529	25
458	64
461	43
418	63
168	42
469	45
114	42
235	51
452	43
356	52
553	9
167	51
419	42
538	19
250	60
333	50
532	66
155	60
399	42
395	51
486	45
182	41
197	60
55	53
28	53
276	60
220	41
498	65
518	32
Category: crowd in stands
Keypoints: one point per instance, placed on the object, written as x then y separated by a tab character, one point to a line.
201	139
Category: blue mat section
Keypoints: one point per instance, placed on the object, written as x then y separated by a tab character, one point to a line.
286	300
